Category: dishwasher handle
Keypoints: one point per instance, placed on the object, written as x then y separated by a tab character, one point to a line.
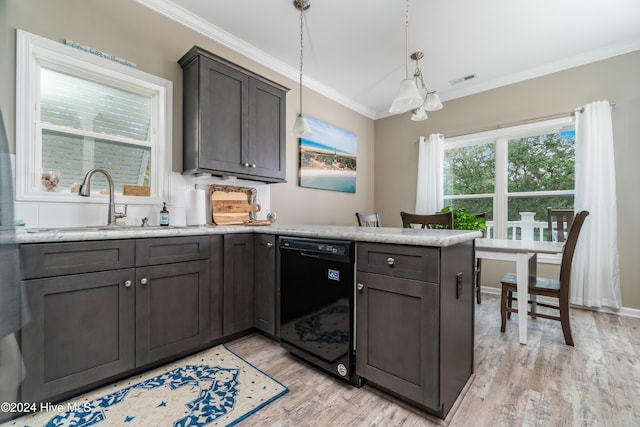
310	255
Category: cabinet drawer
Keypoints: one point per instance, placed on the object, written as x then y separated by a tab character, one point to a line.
409	262
58	259
165	250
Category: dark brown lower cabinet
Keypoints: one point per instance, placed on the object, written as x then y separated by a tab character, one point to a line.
414	321
92	315
397	340
238	292
80	330
172	309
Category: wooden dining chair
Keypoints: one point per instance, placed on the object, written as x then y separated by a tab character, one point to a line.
443	220
478	266
562	218
368	220
558	289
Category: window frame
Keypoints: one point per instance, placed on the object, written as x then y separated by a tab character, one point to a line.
32	53
500	137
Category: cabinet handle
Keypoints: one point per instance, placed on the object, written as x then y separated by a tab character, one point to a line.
269	244
390	261
127	284
360	286
144	281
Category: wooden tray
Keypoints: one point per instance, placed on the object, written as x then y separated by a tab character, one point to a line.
232	204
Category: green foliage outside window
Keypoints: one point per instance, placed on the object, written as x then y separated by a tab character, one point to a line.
541	163
535	164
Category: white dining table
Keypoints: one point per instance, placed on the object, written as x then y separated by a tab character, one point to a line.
521	252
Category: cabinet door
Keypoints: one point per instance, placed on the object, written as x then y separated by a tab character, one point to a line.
265	283
80	330
266	130
223	117
172	309
397	336
238	283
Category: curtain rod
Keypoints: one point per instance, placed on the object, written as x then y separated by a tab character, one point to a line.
520	122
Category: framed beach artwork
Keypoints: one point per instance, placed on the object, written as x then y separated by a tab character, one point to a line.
328	158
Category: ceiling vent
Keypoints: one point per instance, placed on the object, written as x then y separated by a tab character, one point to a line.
462	79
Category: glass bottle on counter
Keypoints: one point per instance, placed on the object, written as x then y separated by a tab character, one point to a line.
164	215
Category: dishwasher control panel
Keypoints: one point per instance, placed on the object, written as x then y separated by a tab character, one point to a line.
334	248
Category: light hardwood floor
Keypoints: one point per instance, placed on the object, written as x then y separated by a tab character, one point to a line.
544	383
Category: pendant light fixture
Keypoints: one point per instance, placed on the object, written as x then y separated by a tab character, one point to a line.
409	97
301	128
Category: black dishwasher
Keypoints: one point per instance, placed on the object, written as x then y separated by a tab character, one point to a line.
317	304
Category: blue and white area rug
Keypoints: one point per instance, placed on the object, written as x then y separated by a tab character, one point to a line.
212	388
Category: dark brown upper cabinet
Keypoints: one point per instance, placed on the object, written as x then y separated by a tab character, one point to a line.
233	120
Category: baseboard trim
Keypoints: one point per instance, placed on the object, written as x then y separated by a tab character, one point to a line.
622	311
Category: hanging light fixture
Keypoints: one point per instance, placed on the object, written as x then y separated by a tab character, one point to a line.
409	97
431	101
301	128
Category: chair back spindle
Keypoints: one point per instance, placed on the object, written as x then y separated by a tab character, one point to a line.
558	217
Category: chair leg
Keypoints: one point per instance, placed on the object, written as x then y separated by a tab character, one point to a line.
510	303
566	326
534	306
503	309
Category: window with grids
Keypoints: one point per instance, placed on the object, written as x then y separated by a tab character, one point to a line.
77	111
86	124
512	171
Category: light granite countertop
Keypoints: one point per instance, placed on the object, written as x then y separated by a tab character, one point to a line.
405	236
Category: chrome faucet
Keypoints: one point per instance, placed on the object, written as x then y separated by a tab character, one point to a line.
85	190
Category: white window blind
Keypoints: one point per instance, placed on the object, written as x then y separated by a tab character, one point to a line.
86	124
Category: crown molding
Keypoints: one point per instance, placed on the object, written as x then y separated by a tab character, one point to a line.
194	22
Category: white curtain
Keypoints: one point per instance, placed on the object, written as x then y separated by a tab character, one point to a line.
430	188
595	277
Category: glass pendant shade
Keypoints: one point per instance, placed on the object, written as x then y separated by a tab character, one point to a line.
433	102
419	115
408	97
301	128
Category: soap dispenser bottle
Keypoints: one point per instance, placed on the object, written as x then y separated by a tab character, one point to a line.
164	215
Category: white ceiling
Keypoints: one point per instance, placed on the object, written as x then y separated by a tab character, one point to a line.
355	50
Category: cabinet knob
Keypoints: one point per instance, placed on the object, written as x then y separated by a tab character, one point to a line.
269	244
144	281
246	165
127	284
360	286
390	261
253	165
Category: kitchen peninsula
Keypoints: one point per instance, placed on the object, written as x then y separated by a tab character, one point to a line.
414	302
